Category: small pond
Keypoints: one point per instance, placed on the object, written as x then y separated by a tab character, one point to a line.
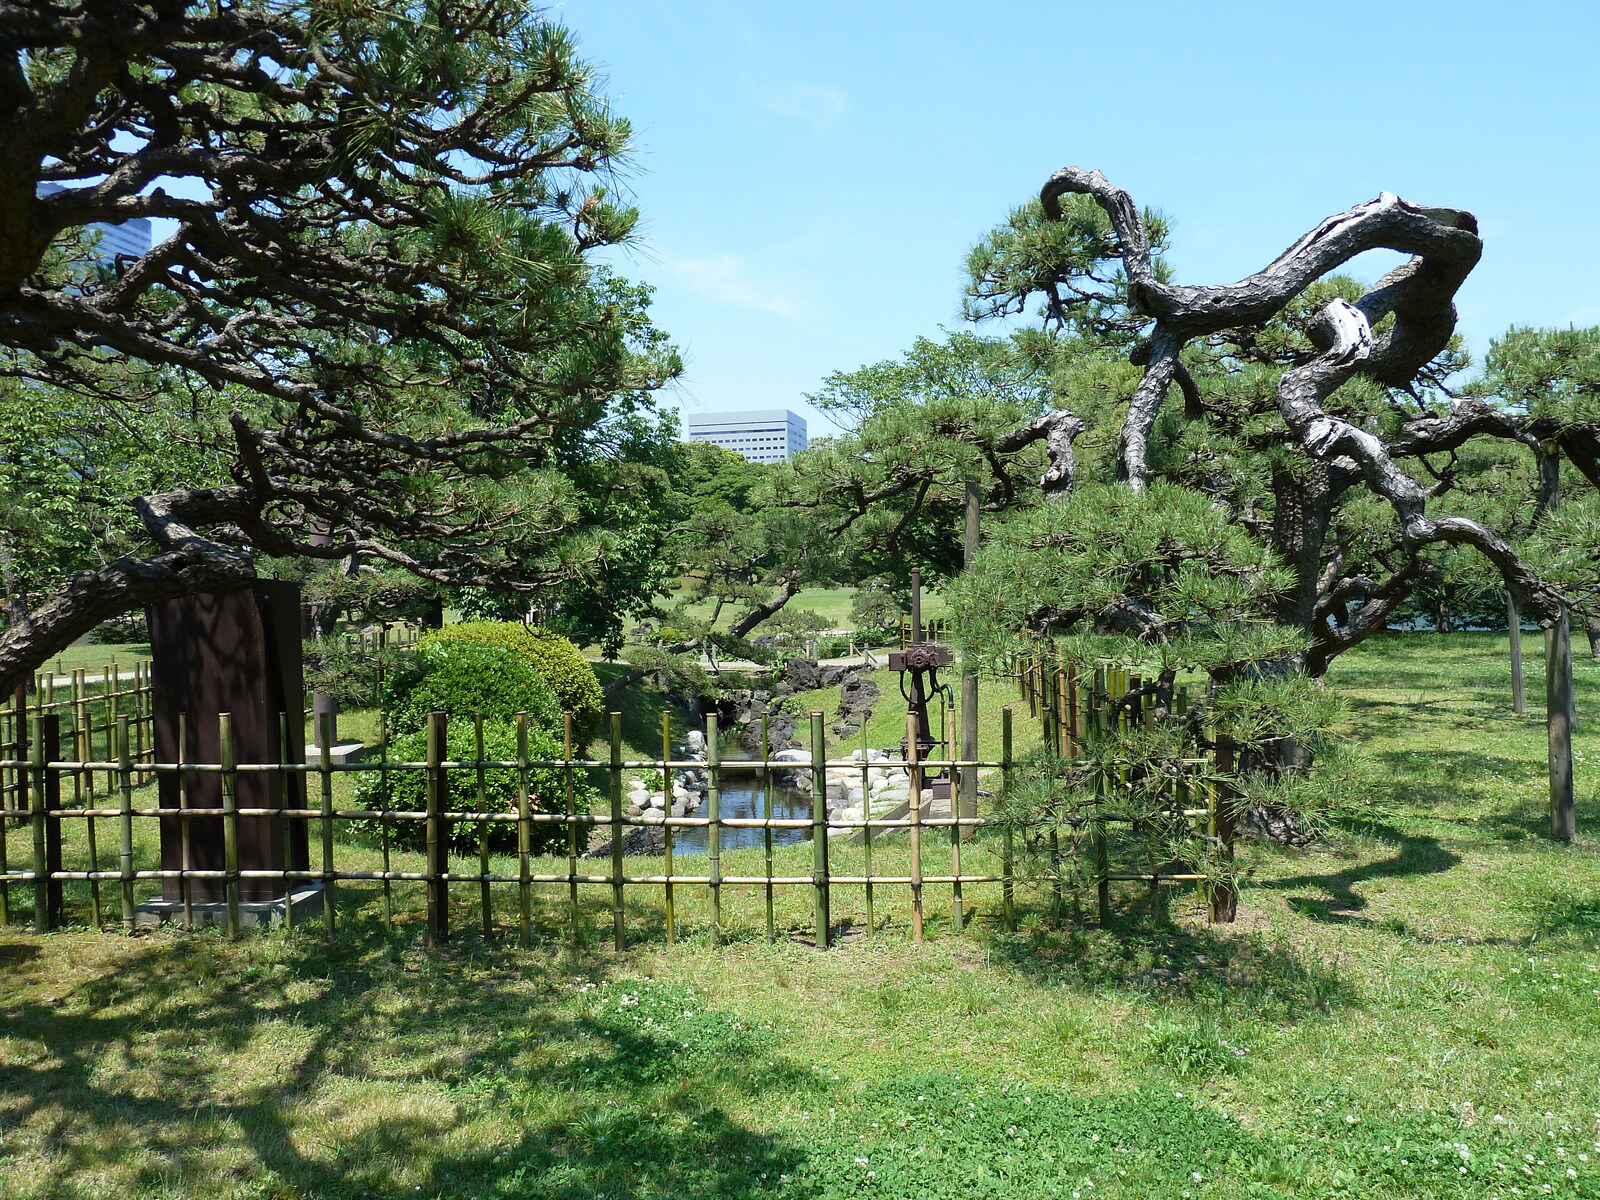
742	799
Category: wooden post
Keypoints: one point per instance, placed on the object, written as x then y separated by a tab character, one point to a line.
437	856
819	828
714	830
230	822
1224	895
1514	628
1558	726
619	932
914	807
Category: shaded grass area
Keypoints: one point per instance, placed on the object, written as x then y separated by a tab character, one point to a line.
1411	1008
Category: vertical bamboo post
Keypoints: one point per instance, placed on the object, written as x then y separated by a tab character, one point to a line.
286	839
52	822
524	840
125	830
486	914
185	848
1074	714
383	822
819	832
766	830
18	801
36	812
1063	715
230	821
714	830
572	828
325	778
1008	911
957	907
1224	896
82	728
666	829
618	915
914	807
1558	726
1514	628
866	828
80	795
968	808
437	833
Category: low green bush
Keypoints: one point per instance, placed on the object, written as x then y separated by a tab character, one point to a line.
465	678
560	662
407	791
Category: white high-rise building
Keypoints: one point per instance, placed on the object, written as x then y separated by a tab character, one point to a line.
129	238
765	435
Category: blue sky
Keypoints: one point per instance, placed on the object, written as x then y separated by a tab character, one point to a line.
812	174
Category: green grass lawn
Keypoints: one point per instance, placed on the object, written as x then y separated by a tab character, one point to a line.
1409	1008
96	658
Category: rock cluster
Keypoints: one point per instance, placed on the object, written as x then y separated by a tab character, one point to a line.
879	784
857	695
688	785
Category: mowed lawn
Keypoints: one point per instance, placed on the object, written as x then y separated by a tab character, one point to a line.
1409	1008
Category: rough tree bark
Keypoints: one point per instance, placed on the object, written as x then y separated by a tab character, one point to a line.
1416	298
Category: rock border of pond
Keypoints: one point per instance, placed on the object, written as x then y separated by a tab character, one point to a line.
885	786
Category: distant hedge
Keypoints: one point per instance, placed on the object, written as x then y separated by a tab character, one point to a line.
463	678
406	791
553	656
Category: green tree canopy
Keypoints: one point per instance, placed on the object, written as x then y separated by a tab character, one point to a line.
379	327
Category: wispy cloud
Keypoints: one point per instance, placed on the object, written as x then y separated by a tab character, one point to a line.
818	106
728	278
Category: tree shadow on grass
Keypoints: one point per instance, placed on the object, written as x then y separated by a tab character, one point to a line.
1570	921
1213	967
1532	821
350	1070
1340	903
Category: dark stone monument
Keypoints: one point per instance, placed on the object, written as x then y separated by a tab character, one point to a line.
231	652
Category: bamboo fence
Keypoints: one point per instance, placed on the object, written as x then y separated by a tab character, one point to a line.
78	755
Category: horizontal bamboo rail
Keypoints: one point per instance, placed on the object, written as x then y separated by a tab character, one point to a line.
53	790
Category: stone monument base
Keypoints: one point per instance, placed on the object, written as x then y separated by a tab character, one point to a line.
343	752
306	900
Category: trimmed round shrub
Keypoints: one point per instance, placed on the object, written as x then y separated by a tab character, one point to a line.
464	678
407	791
553	656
